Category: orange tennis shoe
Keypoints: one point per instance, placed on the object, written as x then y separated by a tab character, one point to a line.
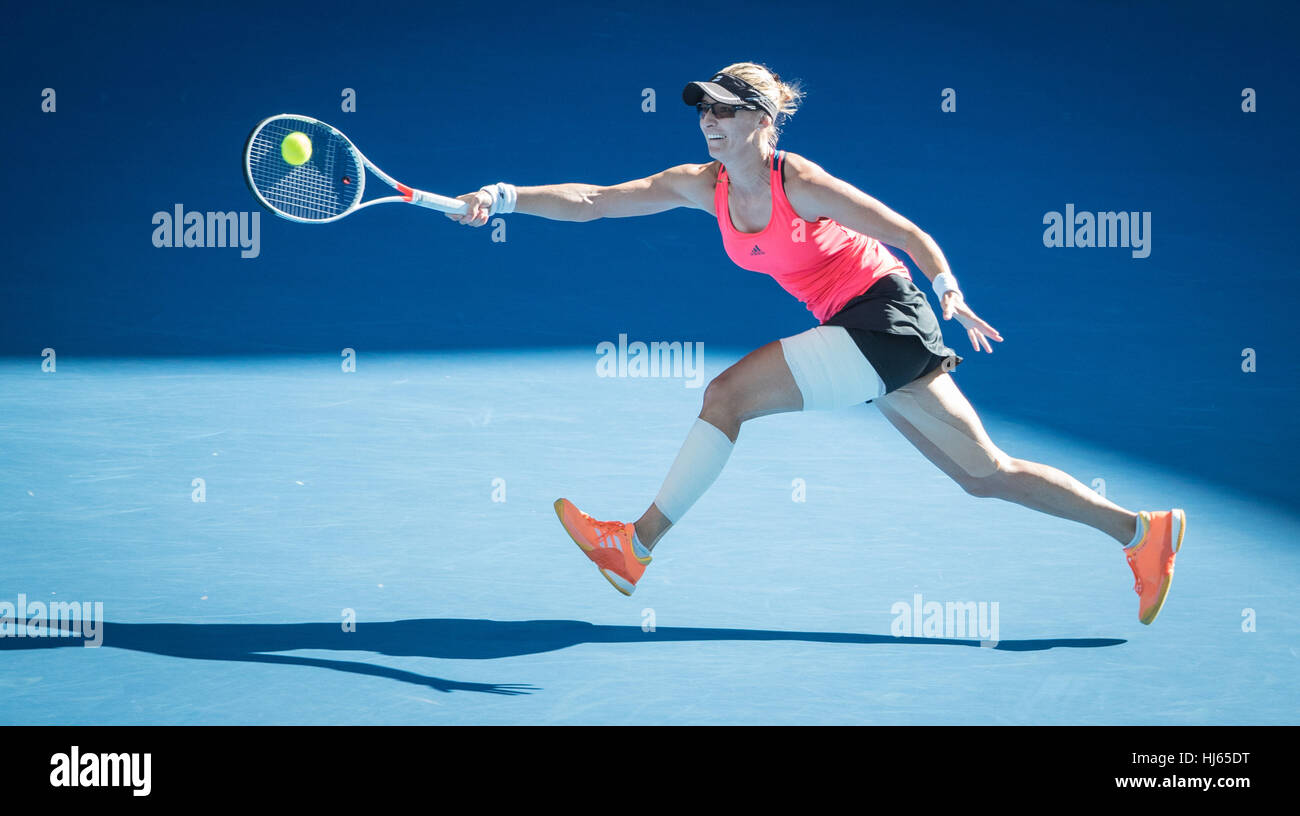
608	543
1152	559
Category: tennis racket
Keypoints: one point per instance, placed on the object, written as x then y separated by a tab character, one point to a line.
330	184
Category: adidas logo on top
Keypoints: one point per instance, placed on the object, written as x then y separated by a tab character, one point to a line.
757	251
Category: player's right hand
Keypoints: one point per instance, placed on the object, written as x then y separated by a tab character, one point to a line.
476	214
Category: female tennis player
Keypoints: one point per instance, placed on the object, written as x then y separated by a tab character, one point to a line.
823	240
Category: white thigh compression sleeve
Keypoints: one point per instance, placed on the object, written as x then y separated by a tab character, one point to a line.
830	370
698	463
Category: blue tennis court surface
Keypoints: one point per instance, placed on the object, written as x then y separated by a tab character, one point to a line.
373	491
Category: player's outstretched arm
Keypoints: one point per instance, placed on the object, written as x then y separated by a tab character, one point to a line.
678	186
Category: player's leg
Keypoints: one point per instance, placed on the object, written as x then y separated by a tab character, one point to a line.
819	369
936	417
757	385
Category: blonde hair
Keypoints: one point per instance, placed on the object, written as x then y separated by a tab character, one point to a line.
787	96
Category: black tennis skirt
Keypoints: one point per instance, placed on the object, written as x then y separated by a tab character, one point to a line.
897	331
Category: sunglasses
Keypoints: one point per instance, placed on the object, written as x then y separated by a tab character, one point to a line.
721	109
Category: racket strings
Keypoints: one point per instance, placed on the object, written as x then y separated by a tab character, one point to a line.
324	186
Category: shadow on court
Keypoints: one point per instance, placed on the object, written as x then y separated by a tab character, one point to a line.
452	639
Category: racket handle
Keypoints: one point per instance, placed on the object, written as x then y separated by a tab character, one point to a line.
432	200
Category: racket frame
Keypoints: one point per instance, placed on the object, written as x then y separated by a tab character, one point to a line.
409	195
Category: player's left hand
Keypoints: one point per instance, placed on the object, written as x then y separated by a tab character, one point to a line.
954	305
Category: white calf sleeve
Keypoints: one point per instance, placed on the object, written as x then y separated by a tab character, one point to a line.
698	463
830	369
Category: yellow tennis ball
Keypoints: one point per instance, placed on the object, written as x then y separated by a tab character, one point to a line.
296	148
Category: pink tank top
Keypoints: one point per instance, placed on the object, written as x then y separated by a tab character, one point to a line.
822	263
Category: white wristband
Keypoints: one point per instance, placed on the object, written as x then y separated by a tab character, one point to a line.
504	197
944	283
